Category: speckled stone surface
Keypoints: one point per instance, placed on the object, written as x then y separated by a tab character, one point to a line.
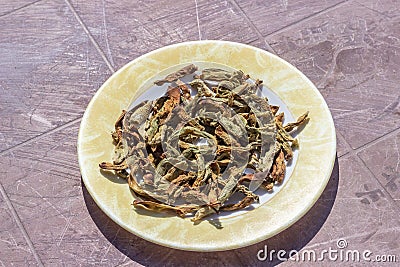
51	68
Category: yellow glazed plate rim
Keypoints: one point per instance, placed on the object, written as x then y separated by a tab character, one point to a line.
311	173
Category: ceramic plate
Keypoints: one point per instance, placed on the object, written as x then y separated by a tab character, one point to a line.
286	86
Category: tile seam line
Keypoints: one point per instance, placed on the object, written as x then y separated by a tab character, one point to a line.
355	151
374	10
369	144
391	199
307	18
375	141
253	26
19	8
38	137
20	225
346	144
90	36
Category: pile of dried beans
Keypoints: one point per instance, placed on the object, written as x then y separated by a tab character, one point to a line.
157	142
